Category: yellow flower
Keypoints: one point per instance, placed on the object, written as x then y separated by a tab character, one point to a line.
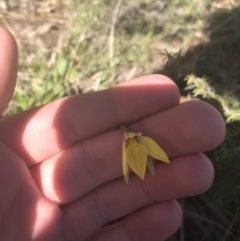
137	152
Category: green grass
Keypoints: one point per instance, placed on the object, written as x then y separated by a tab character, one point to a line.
196	43
81	62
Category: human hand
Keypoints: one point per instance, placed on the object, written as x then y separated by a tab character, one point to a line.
60	164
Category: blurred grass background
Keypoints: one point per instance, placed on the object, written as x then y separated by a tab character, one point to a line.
69	47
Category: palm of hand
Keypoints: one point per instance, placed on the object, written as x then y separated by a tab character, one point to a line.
60	165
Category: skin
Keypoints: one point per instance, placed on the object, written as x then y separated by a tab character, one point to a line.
60	165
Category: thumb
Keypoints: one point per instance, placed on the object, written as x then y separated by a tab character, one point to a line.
8	67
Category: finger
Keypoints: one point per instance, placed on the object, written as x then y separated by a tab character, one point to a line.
191	127
62	123
8	67
156	222
22	208
187	128
184	176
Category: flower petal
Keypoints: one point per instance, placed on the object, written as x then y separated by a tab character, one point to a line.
137	157
154	150
150	165
125	166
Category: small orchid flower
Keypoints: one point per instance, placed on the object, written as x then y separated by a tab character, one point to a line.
137	153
